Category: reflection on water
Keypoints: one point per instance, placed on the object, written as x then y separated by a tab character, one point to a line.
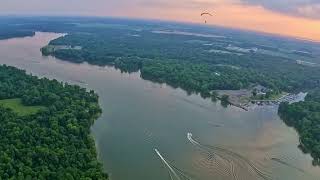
142	131
232	165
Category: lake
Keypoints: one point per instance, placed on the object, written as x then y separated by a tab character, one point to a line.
150	131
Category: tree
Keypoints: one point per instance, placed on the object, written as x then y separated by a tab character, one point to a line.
54	143
305	118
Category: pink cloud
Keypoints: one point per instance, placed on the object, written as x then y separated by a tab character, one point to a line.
270	16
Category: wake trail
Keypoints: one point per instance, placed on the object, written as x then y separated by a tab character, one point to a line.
287	164
225	153
253	166
168	165
219	160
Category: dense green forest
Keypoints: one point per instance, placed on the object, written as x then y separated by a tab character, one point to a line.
182	61
305	118
53	142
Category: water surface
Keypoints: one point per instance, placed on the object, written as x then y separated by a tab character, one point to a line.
150	131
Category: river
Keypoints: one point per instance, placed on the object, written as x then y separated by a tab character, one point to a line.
150	131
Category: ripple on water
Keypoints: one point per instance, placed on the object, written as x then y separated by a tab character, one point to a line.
227	164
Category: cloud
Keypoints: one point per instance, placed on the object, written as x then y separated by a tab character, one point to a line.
237	14
310	10
63	7
181	4
301	8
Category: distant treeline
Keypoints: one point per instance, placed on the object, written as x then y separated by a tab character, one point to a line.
7	33
174	60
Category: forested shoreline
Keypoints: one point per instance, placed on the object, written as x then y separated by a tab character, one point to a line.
54	142
169	59
13	33
305	118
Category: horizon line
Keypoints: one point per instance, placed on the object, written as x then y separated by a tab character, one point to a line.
247	30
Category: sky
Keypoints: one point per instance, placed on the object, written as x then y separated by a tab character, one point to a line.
297	18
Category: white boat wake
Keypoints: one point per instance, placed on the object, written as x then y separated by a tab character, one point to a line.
237	163
175	175
174	172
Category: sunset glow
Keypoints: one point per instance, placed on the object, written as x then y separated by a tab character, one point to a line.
297	18
250	17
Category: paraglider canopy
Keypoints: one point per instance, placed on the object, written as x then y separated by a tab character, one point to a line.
204	14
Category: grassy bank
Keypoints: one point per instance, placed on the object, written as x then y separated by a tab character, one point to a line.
16	106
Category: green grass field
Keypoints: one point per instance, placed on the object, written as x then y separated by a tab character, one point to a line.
272	98
17	106
277	96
